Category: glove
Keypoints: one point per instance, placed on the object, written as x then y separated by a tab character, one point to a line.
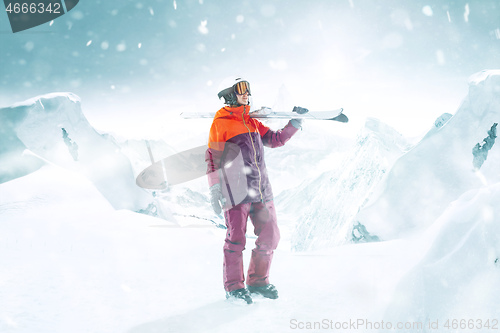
216	198
297	122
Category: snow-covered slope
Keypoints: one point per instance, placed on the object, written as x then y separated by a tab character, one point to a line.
324	208
53	127
458	277
70	262
440	167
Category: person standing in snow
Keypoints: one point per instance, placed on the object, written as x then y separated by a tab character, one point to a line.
240	187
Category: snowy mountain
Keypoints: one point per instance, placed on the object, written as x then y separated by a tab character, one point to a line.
83	249
335	196
440	168
73	262
54	128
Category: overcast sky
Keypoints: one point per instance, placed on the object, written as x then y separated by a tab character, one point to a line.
403	61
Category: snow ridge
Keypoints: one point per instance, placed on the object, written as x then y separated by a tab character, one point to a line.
328	218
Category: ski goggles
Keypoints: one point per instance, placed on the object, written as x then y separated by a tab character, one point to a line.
242	87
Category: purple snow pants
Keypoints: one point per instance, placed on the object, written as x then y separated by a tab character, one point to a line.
263	217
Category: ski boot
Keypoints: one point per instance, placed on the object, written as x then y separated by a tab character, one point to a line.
240	294
268	291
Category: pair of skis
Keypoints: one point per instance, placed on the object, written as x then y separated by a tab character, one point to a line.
190	164
268	113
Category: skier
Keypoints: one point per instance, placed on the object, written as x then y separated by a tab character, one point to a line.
239	185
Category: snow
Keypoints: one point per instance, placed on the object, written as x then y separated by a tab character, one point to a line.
440	167
461	268
41	125
73	263
328	218
76	259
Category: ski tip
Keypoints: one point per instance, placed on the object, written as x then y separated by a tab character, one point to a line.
341	118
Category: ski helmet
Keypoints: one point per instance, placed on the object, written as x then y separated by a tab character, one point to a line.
232	86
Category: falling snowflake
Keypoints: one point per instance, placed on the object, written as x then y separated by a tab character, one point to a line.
202	28
466	13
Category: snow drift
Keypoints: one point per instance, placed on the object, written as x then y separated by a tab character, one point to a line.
458	277
439	169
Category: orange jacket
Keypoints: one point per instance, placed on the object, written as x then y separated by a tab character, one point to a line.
235	155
